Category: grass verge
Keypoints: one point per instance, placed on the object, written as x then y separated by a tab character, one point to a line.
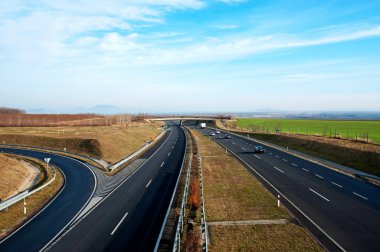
288	237
233	193
14	217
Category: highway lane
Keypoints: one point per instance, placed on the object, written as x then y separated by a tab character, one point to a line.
78	188
347	209
130	218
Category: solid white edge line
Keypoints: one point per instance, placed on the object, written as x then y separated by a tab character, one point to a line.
323	197
150	181
18	229
278	169
121	183
361	196
283	196
79	212
171	201
117	226
319	176
61	190
336	184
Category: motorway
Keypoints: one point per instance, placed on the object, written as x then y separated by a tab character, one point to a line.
342	212
131	217
78	189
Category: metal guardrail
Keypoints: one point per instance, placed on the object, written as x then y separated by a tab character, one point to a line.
25	194
171	200
203	214
136	153
52	150
177	237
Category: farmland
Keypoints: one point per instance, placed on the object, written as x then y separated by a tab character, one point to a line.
330	128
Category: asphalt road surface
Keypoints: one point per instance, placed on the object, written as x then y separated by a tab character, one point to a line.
131	217
346	210
78	189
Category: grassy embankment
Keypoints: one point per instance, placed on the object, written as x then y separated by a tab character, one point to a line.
14	216
233	194
110	143
358	155
15	176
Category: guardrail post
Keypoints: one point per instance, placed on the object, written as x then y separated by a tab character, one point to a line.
24	206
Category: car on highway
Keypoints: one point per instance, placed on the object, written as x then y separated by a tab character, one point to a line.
259	149
227	137
217	132
212	134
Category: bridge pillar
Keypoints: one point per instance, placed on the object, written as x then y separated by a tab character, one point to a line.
180	122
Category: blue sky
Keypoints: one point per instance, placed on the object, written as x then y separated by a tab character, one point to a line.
190	55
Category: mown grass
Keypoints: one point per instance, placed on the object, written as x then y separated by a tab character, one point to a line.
288	237
343	128
14	216
231	192
110	143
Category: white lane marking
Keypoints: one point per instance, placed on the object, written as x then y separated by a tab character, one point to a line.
361	196
173	147
283	196
319	195
117	226
270	153
243	149
319	176
306	170
336	184
278	169
277	156
169	154
294	164
233	143
162	164
258	157
150	181
285	160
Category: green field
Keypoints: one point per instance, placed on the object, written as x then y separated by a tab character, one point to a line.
338	128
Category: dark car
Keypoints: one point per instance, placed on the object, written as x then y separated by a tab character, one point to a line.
259	149
228	137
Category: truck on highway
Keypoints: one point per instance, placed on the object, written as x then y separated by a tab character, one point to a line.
203	125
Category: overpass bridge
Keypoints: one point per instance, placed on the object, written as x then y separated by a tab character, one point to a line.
182	119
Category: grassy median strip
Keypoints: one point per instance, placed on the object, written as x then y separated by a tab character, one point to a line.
289	237
232	193
14	216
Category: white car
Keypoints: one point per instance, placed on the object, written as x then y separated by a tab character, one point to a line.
217	132
212	134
